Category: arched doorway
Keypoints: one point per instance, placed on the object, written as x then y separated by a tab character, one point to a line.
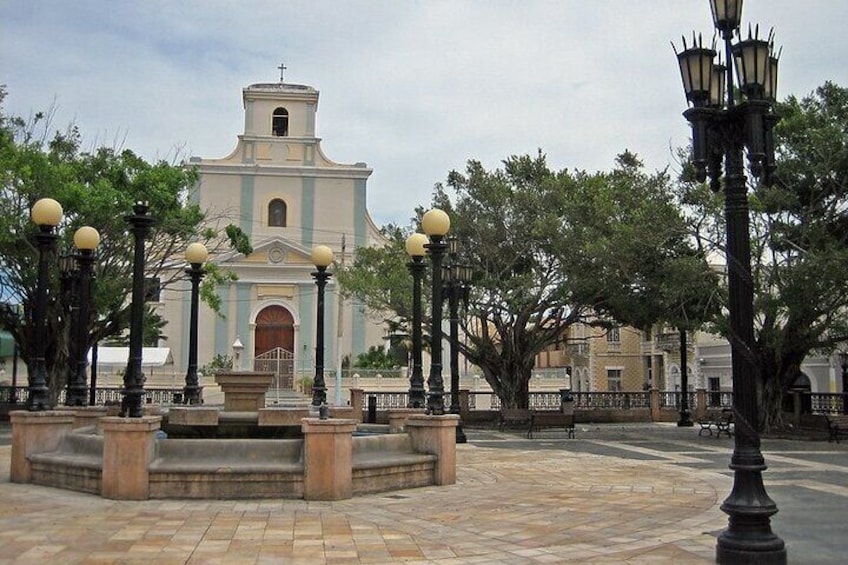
274	344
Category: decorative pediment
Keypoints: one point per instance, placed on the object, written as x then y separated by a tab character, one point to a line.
273	251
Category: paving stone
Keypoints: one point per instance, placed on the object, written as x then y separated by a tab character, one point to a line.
639	494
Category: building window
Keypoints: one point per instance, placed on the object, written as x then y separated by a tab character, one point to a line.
614	335
280	123
614	380
277	213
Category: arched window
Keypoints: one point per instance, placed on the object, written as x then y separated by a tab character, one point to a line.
277	213
280	124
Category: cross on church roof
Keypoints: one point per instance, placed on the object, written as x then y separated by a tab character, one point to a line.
282	68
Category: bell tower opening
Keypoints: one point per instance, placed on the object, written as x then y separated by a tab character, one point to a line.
280	123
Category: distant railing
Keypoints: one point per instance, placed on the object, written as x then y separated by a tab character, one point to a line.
551	400
826	403
389	400
607	400
102	395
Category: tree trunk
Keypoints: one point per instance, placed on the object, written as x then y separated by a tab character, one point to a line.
509	377
777	372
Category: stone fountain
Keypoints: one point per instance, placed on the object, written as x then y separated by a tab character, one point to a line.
132	459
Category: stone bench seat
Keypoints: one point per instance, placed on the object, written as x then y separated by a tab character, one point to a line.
228	456
82	446
376	461
390	457
77	464
227	468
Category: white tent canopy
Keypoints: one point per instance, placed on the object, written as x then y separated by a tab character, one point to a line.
118	356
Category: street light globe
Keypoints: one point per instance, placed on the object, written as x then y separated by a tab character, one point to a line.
196	253
86	238
415	245
322	256
47	212
435	223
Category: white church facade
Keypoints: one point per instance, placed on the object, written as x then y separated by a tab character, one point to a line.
281	190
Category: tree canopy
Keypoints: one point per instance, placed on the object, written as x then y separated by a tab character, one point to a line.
551	248
799	231
95	187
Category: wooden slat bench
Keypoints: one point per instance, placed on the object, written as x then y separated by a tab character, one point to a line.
513	417
550	419
837	426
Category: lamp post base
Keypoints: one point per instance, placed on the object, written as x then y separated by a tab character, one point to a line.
767	550
748	537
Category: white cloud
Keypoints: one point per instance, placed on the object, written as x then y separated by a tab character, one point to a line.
413	88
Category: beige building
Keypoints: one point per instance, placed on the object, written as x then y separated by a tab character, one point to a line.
279	188
620	359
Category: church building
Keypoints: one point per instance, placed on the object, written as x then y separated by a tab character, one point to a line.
281	190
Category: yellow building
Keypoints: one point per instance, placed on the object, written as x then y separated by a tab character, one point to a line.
619	359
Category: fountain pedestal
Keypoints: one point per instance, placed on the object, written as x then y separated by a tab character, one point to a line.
244	391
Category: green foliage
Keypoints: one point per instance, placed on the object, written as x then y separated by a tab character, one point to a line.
799	241
378	276
375	358
97	188
634	236
548	249
217	363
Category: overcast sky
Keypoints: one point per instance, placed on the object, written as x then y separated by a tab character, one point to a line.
413	88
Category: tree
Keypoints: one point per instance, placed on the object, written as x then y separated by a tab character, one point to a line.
549	248
96	188
799	232
635	235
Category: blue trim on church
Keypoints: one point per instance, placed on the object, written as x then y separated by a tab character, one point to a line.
307	212
246	204
222	326
243	307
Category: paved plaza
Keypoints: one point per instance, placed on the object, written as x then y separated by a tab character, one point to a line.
640	493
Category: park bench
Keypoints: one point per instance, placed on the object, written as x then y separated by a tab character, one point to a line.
837	426
551	419
720	421
513	417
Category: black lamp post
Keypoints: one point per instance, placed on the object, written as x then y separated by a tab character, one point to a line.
725	128
195	255
322	256
133	391
685	420
436	224
456	288
415	248
843	357
46	213
86	240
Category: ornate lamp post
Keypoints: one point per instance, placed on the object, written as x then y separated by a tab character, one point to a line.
725	128
46	213
322	256
86	240
843	358
415	248
436	224
685	420
133	391
195	255
456	288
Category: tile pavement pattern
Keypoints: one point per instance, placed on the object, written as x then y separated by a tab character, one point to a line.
597	499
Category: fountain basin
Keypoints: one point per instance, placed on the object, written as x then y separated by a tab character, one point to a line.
128	458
